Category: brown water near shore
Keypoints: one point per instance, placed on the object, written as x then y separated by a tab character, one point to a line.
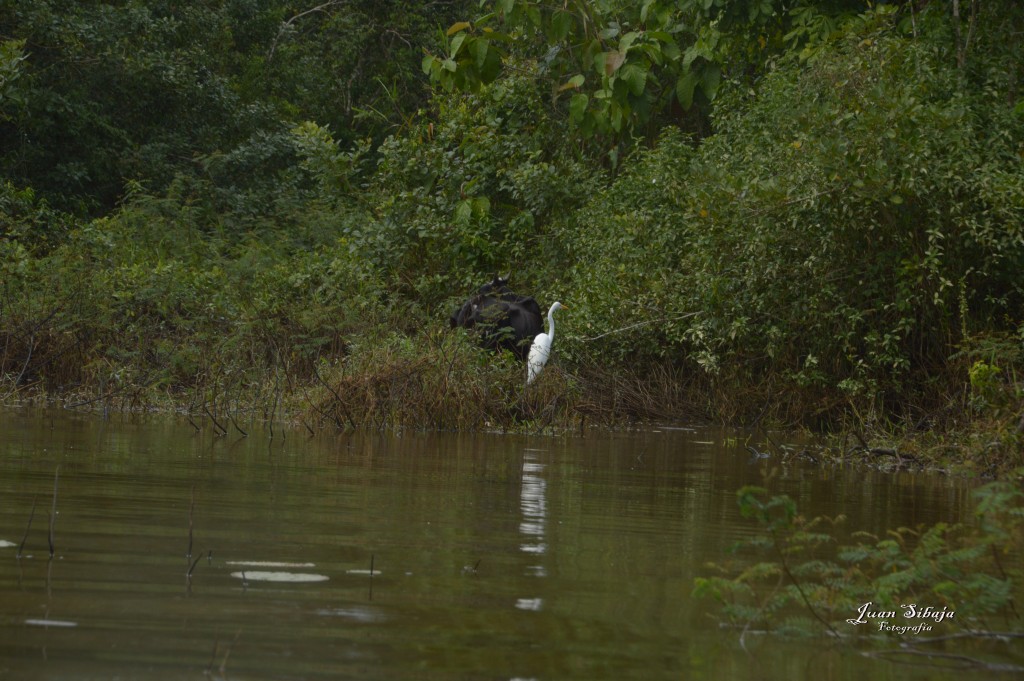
422	556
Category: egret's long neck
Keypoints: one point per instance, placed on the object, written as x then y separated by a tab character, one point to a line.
551	323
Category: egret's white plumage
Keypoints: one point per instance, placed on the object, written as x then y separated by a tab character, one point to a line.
541	348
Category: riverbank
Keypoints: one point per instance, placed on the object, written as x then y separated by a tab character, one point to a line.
439	380
822	231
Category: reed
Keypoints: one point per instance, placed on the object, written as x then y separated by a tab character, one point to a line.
191	514
53	511
28	527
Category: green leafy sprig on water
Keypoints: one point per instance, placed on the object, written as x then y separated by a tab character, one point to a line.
805	578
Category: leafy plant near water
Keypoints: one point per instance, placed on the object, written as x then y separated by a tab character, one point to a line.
835	241
812	579
440	381
125	309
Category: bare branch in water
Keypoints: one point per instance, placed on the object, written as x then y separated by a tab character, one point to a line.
28	527
53	512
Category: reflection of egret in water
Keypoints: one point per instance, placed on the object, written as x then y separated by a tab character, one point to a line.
534	505
275	575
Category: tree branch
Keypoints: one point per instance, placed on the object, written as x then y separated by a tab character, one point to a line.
286	24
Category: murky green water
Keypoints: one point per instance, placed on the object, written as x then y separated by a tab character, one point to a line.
494	556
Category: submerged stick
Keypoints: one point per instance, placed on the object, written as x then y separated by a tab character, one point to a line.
227	653
188	574
222	429
337	399
24	367
53	512
235	424
232	416
213	657
323	413
191	511
28	527
104	397
277	382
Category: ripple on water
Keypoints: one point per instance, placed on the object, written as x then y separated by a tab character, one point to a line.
268	563
355	613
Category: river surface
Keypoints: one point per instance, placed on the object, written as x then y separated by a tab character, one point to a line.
421	556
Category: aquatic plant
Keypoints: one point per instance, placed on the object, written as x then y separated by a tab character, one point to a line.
802	576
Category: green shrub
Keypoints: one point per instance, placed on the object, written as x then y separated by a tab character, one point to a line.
435	380
122	296
836	236
473	191
809	583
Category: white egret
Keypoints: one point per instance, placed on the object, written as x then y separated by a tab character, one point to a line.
541	348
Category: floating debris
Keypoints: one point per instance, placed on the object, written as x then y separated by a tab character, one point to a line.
355	614
535	604
293	577
51	623
4	544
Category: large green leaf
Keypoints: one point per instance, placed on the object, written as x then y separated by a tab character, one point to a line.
635	77
710	80
456	44
684	89
578	106
561	24
492	65
479	47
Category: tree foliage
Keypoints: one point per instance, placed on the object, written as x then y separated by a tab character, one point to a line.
620	69
816	205
477	189
182	96
846	227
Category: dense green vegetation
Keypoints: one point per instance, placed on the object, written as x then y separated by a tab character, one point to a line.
943	583
808	212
